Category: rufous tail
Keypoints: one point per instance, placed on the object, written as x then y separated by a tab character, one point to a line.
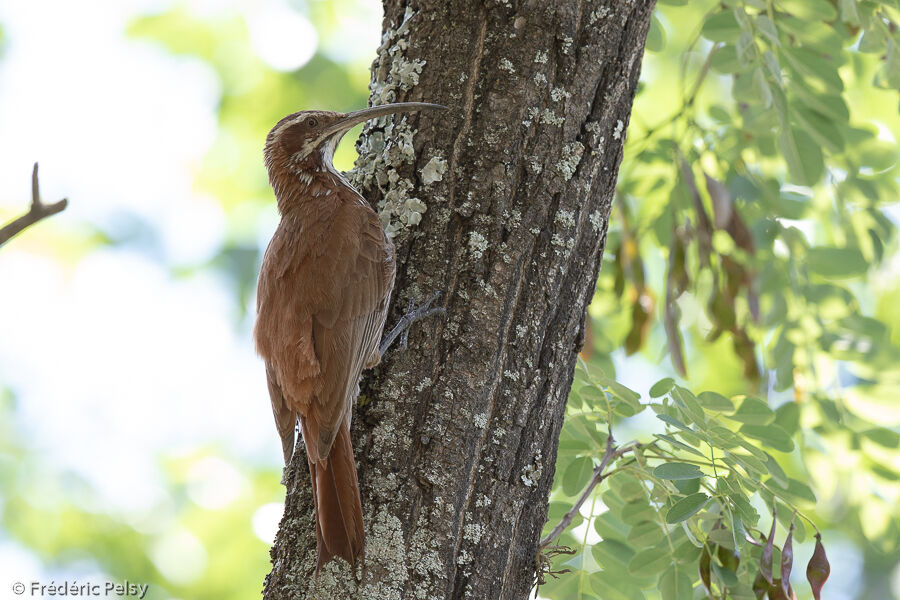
339	521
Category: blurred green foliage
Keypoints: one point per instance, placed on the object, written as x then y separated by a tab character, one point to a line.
749	248
751	245
61	519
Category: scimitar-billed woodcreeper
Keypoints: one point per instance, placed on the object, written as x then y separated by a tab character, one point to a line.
323	295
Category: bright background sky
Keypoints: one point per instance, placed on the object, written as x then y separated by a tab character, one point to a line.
114	359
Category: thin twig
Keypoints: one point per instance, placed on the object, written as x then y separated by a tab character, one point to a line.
612	453
38	211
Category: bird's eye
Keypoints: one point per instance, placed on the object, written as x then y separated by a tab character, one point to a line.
312	122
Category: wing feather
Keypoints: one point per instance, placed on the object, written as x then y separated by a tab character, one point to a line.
347	331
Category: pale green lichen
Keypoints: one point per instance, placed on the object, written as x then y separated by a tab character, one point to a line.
477	244
506	65
481	420
385	547
596	220
541	57
434	170
511	375
571	157
531	473
549	117
593	127
600	13
387	143
557	94
620	127
473	531
566	218
561	242
424	554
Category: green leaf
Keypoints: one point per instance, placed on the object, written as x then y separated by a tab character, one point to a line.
672	421
752	465
677	470
788	417
814	10
804	157
656	37
832	107
675	584
635	512
725	60
623	393
650	561
645	534
689	405
627	486
766	27
661	387
883	437
776	471
813	66
761	87
836	263
609	527
795	490
722	537
747	50
725	575
715	402
686	508
822	129
771	435
721	27
753	411
610	586
679	444
687	487
577	475
744	509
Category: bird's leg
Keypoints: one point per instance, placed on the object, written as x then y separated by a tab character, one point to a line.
401	329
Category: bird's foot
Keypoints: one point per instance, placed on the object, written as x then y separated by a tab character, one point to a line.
413	314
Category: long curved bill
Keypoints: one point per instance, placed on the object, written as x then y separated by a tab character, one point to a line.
354	118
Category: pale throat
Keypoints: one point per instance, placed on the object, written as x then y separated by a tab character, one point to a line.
314	170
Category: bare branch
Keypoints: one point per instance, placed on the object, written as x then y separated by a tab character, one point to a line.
38	211
612	453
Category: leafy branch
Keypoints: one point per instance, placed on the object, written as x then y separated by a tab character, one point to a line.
38	211
611	454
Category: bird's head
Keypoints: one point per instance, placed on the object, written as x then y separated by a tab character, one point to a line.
306	140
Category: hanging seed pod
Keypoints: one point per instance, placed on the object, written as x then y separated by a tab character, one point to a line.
760	587
765	561
818	569
704	570
787	559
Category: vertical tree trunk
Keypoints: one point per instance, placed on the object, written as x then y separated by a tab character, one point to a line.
501	202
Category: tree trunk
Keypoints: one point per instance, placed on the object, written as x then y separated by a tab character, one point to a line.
502	203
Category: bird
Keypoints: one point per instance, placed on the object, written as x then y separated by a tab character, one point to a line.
322	300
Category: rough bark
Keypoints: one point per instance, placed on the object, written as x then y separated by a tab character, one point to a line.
502	203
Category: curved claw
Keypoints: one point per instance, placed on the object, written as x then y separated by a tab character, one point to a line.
412	315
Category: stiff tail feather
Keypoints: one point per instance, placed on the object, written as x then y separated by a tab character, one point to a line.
339	521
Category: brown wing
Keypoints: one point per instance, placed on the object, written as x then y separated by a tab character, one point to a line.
285	418
358	273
